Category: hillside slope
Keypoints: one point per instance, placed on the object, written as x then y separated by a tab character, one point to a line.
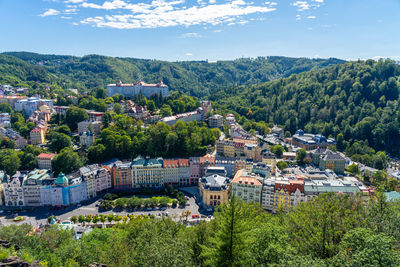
198	78
358	99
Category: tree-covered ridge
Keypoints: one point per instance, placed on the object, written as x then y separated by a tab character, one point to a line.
198	78
357	99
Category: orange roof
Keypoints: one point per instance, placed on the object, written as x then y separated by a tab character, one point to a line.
242	177
46	155
170	163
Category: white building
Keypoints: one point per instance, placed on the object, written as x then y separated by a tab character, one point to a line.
132	89
29	105
86	139
93	126
13	189
31	187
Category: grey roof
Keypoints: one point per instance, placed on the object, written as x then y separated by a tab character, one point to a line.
139	161
215	182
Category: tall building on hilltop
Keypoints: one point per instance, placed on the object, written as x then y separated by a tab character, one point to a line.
132	89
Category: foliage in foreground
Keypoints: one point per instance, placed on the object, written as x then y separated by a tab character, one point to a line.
329	231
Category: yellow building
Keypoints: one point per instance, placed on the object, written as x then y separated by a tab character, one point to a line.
214	190
37	136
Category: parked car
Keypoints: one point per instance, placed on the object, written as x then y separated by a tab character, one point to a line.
194	216
209	209
18	219
149	209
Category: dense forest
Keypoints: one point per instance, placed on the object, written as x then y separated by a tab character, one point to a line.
359	100
196	78
332	230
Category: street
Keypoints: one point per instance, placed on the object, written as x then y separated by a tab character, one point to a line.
39	215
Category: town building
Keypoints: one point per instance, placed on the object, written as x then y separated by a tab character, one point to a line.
95	115
214	190
216	121
92	126
121	174
228	163
309	141
197	115
139	113
31	187
194	163
37	135
44	160
268	194
230	119
63	191
88	174
239	148
277	131
13	189
171	172
5	120
288	193
11	99
247	187
13	135
220	170
31	104
132	89
86	139
314	188
327	159
147	173
262	169
176	172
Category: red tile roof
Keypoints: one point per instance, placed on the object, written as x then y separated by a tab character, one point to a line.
46	156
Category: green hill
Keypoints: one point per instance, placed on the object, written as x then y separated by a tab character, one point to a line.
358	99
198	78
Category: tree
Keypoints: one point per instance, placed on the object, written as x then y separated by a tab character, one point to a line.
5	108
117	108
362	247
317	227
9	161
110	218
354	169
282	165
340	145
165	111
186	214
230	243
101	93
59	141
379	178
277	150
301	155
97	153
75	115
66	162
64	129
28	161
81	218
74	219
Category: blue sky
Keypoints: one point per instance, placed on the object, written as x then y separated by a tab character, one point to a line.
203	29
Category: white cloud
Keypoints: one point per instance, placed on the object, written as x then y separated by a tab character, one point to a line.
217	30
298	17
311	17
160	13
306	5
74	1
71	11
65	17
189	54
301	5
190	35
50	12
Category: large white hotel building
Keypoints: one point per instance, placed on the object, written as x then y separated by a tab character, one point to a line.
132	89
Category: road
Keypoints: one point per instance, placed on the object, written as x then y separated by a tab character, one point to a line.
39	216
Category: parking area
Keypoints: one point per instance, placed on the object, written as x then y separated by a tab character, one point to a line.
38	216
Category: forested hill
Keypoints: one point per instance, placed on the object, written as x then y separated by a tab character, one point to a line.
197	78
358	99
